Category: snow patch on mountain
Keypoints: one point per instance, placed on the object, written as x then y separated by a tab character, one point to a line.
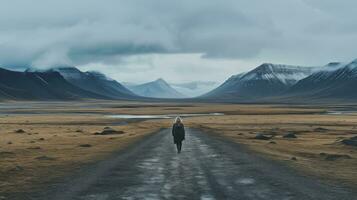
286	74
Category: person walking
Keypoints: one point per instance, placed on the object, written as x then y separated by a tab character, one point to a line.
178	133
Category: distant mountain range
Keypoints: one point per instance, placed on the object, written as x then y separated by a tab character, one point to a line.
61	83
39	86
194	88
155	89
95	82
266	83
284	83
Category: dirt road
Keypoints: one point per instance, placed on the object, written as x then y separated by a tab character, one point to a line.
208	168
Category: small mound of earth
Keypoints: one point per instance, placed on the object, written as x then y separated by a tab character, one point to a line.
289	135
320	129
109	131
85	145
333	157
45	158
350	141
33	148
19	131
261	136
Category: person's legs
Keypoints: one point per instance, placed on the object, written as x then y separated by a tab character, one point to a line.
179	147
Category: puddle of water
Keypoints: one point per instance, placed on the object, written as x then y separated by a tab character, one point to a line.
168	116
341	113
246	181
96	197
207	197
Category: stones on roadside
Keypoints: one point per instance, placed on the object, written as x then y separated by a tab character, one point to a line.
41	139
261	136
272	142
289	135
17	168
85	145
109	131
20	131
9	142
350	141
45	158
79	131
333	157
293	158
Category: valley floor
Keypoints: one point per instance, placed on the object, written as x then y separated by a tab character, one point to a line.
58	137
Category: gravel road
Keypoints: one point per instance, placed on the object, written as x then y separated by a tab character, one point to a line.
208	168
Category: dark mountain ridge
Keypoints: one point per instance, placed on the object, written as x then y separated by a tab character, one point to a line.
264	81
95	82
39	86
339	82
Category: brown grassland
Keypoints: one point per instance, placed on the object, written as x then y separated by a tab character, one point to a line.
59	138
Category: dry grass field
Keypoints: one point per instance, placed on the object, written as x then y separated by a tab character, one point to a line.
317	149
52	145
58	137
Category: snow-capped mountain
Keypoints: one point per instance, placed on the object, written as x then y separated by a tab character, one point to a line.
39	86
156	89
263	81
95	82
337	81
194	88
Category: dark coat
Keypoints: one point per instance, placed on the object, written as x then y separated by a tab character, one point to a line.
178	132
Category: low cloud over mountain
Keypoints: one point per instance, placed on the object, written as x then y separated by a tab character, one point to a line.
120	37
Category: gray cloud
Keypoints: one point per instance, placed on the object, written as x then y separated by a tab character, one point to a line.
83	32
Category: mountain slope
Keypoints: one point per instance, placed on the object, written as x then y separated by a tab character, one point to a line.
334	82
264	81
39	86
95	82
156	89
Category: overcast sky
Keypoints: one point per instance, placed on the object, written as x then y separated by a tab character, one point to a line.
178	40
